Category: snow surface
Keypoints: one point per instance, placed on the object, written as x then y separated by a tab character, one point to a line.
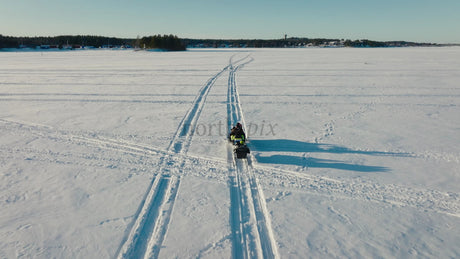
111	154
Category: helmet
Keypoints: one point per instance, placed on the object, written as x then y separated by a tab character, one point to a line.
239	126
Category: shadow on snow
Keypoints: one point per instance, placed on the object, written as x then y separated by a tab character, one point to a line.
317	163
286	145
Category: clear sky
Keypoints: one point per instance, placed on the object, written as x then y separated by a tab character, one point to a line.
435	21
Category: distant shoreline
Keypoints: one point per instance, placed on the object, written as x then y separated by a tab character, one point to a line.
38	49
73	42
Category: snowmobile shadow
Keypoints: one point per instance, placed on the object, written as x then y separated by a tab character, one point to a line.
286	145
317	163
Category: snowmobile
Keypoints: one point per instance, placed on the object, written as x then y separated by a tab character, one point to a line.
238	138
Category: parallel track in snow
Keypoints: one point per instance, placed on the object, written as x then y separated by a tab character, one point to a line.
252	234
151	222
141	156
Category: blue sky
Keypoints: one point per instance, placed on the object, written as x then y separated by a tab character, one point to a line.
411	20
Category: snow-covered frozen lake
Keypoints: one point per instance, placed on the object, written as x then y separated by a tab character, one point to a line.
355	153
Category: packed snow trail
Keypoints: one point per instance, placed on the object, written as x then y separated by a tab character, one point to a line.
151	223
402	196
252	235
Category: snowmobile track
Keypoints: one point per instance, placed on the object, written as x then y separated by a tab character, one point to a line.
151	223
252	234
402	196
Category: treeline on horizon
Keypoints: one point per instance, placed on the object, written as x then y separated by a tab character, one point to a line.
173	43
298	42
165	42
61	41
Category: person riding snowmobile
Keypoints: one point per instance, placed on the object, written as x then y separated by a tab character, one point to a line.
237	135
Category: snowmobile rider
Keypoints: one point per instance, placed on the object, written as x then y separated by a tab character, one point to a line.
237	135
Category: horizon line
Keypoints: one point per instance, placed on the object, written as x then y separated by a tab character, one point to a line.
199	38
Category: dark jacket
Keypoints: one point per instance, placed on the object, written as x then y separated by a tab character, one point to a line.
238	133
